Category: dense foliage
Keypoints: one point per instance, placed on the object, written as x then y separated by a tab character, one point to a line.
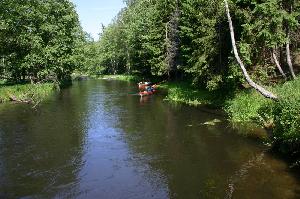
190	39
39	40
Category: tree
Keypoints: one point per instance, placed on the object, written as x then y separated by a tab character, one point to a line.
172	41
41	39
257	87
290	24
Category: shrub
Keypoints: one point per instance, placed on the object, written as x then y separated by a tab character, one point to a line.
245	106
286	114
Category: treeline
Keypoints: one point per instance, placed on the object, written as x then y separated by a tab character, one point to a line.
40	40
191	39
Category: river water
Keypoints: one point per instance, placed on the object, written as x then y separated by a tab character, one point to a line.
99	140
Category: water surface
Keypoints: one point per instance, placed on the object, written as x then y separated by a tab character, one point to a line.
97	140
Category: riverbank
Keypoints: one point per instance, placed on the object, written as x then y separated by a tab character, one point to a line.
129	78
182	92
29	93
82	76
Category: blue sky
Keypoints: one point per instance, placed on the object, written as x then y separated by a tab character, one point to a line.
94	12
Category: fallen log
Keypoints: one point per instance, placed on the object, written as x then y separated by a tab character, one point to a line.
15	99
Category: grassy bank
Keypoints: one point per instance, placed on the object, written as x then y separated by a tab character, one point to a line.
184	93
27	92
129	78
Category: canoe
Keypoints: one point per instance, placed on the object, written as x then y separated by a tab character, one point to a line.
144	93
143	86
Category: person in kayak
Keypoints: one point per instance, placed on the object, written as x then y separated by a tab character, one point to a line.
149	89
144	85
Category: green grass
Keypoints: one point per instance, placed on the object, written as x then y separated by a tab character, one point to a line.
129	78
2	82
32	92
184	93
244	106
249	105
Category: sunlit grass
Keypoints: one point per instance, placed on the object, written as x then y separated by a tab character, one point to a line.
26	92
129	78
244	106
184	93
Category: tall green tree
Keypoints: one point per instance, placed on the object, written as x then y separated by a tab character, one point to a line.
39	39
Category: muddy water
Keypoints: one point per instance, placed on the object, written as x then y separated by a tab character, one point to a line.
97	140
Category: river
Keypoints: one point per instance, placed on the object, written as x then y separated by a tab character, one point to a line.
97	139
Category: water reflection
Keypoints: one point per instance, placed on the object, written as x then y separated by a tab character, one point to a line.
196	160
41	150
97	140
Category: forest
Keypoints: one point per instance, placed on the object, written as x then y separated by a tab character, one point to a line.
188	41
191	38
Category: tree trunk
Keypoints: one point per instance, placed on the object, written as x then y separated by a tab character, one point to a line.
128	61
288	56
257	87
172	41
277	63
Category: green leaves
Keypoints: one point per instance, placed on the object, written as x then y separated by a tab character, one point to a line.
141	39
38	36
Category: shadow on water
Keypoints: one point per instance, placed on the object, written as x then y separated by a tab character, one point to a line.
97	140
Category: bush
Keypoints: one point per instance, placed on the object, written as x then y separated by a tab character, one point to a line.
244	107
286	114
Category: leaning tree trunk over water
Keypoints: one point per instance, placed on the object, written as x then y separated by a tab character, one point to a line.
257	87
277	63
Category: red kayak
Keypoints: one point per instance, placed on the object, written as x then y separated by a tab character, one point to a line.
144	93
142	86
